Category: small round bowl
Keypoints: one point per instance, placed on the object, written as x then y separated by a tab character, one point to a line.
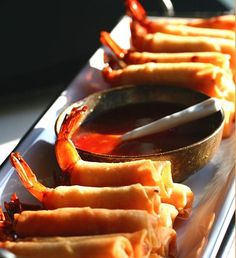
185	160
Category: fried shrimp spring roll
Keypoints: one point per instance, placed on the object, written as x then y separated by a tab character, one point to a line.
166	43
185	30
138	13
85	221
145	172
133	196
133	245
114	247
101	174
225	22
127	197
206	78
130	56
139	241
215	58
158	171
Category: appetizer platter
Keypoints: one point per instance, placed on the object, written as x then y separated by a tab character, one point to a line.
53	201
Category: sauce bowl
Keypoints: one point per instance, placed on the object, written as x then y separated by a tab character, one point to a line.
185	159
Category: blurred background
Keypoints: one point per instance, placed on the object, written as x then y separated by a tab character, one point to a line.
44	44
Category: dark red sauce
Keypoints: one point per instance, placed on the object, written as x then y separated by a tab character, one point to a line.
101	133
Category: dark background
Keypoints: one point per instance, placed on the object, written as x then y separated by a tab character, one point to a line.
45	43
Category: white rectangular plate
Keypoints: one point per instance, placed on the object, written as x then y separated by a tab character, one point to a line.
213	186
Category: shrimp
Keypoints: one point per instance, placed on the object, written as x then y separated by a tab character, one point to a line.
101	174
221	26
130	56
126	197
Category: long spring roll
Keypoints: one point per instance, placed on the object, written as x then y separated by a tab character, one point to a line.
166	43
139	241
93	247
215	58
145	172
126	197
185	30
226	22
206	78
87	221
83	221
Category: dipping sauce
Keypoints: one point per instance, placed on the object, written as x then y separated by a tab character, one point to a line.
101	134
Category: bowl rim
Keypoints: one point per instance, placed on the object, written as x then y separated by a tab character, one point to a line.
140	156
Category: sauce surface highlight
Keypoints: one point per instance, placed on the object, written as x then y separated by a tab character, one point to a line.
101	134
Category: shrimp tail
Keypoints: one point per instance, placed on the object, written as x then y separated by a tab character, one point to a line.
106	40
66	153
70	122
138	33
113	77
135	10
27	176
5	227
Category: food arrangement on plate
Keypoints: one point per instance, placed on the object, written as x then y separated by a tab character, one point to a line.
99	138
128	207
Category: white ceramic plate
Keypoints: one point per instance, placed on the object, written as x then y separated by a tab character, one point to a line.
213	186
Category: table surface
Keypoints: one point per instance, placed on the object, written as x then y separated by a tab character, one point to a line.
18	114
